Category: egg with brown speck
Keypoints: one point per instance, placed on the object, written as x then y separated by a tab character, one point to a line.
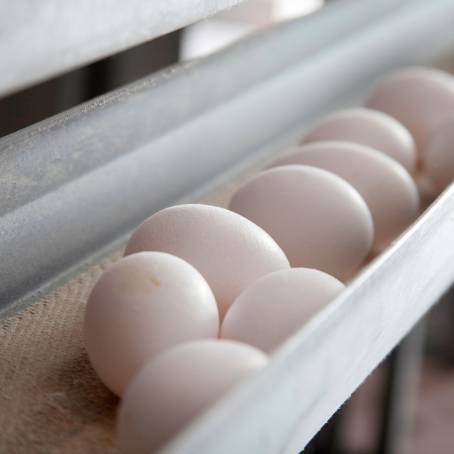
142	305
229	250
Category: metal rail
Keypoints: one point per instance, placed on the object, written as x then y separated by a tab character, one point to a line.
41	39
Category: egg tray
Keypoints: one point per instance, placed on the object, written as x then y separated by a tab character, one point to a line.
76	184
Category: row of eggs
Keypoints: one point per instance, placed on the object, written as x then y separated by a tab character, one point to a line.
254	274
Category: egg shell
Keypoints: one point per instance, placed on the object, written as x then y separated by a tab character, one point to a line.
367	127
228	249
419	98
142	305
387	188
277	305
179	385
318	219
438	159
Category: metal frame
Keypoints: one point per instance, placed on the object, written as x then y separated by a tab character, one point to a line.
402	379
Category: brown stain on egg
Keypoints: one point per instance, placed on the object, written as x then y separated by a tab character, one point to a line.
154	280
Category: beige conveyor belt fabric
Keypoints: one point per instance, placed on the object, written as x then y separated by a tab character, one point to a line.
50	398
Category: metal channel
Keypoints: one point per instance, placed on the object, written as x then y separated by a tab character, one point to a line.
280	409
76	182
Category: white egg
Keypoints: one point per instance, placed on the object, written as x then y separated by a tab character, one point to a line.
318	219
178	386
275	306
367	127
387	188
229	250
438	159
141	306
420	98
